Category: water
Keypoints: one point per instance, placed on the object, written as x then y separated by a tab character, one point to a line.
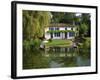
56	57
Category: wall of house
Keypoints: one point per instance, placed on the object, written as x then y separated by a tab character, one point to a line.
68	28
62	35
61	28
47	35
69	37
54	37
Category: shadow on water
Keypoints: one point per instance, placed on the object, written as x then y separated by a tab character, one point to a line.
55	57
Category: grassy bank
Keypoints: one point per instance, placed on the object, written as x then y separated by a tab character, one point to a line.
59	43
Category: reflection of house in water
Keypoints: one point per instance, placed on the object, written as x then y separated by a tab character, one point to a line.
61	52
60	31
62	49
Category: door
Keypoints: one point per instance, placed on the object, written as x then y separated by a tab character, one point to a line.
51	35
65	35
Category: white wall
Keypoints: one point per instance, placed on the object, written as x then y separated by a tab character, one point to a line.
62	35
69	28
61	28
5	41
47	35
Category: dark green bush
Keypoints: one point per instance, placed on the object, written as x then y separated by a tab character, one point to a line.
31	44
86	43
50	40
26	45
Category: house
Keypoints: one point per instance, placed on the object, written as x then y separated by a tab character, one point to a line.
60	31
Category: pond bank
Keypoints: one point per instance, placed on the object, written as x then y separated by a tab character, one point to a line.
59	43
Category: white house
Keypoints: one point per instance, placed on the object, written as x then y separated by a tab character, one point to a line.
60	31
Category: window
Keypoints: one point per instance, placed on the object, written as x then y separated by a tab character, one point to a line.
71	34
57	34
65	28
56	28
51	28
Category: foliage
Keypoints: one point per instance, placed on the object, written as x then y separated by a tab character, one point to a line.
57	31
50	40
82	30
86	20
34	23
26	45
57	16
36	43
85	44
68	18
31	44
63	17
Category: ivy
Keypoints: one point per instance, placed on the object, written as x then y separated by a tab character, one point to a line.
57	31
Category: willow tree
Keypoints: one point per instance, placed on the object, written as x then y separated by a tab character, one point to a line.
34	23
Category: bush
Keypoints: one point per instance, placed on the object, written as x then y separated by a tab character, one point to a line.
85	44
31	44
36	43
26	45
50	40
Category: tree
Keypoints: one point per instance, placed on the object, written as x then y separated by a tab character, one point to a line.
68	18
63	17
34	23
57	16
82	22
82	29
86	19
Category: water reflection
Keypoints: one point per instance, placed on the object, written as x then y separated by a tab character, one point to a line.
55	57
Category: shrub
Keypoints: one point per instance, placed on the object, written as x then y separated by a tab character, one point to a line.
50	40
36	43
31	44
26	45
85	44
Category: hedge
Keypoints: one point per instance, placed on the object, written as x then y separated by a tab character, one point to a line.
57	31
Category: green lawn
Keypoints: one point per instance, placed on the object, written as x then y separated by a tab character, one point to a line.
59	43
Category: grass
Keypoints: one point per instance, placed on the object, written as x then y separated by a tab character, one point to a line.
59	43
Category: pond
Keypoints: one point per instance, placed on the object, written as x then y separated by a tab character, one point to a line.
56	57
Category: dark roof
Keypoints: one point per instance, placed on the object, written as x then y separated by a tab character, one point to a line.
60	25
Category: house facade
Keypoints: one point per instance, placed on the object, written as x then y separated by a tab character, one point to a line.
60	31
